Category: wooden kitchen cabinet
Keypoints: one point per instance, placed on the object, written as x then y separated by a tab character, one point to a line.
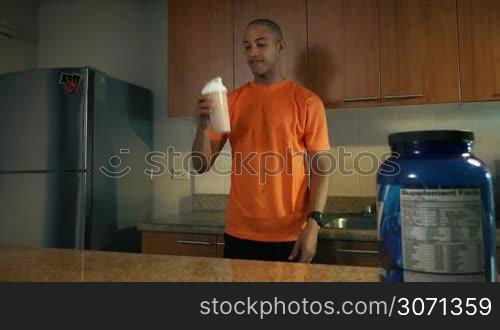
332	252
220	246
291	16
343	51
419	57
325	253
200	47
351	253
357	253
194	245
479	35
498	259
350	53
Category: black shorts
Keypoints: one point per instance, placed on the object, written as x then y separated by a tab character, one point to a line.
237	248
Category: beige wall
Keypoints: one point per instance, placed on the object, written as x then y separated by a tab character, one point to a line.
19	53
114	36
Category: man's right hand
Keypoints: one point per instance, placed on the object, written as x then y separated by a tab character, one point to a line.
204	108
202	142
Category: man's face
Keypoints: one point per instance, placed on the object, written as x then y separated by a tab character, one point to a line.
262	50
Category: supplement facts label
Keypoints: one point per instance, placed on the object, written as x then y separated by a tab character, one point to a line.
442	230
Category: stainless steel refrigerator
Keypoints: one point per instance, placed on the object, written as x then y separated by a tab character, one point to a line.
72	148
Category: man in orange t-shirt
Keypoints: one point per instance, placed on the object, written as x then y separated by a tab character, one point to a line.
274	213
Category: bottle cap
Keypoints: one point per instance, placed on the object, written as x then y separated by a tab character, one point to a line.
214	86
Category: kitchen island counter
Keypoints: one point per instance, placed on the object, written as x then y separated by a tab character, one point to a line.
55	265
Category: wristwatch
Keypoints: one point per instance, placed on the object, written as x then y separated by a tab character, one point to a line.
318	217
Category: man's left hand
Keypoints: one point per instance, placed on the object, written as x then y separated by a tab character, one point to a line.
306	243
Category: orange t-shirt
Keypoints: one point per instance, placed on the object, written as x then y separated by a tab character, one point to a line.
271	128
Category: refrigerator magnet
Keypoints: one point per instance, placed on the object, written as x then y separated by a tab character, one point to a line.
71	82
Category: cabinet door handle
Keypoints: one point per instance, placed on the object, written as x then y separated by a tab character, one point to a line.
410	96
193	242
369	98
357	251
221	243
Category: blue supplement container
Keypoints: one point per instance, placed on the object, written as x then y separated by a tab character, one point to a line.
435	217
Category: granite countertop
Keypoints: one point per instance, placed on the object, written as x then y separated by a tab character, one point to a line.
212	222
55	265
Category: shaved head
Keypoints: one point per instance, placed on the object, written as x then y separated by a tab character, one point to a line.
271	25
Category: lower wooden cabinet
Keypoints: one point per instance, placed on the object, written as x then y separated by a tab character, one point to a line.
325	252
220	246
194	245
352	253
498	259
331	252
357	253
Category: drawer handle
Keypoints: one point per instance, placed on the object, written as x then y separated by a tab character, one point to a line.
411	96
221	244
370	98
357	251
194	242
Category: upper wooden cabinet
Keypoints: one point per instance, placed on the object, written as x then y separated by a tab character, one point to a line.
291	16
200	47
350	52
479	32
419	51
372	52
343	46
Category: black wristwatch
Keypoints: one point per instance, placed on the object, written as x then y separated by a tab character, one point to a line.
318	217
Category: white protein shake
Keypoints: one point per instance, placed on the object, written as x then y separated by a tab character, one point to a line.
217	92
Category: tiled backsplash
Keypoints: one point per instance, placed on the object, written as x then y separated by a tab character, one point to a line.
366	130
334	204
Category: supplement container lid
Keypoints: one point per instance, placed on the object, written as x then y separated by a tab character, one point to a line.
433	136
